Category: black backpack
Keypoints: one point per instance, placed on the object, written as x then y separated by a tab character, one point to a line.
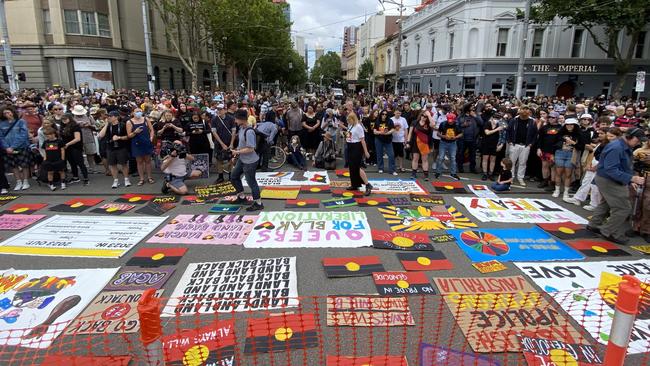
260	139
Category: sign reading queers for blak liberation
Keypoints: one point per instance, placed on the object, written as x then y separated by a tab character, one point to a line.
242	285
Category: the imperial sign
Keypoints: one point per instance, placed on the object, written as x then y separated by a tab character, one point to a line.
589	69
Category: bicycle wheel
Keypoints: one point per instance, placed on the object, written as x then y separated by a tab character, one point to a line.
278	158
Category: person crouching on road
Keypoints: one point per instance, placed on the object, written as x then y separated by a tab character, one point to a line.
174	165
247	162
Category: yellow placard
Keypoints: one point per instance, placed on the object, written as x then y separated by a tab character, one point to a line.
489	266
68	252
272	193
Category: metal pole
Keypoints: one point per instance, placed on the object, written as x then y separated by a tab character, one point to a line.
9	62
147	46
399	47
522	52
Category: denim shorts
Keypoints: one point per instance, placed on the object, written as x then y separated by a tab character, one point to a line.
563	158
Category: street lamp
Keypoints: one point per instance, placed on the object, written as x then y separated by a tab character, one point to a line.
399	38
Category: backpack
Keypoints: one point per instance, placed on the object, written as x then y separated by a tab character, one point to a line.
260	139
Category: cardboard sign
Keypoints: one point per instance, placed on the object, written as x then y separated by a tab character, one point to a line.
339	184
113	208
402	283
399	201
18	221
302	203
382	239
39	304
110	312
342	173
568	231
283	229
424	261
156	257
210	345
205	229
352	267
164	199
435	355
224	209
134	198
506	245
430	200
81	236
518	210
415	218
588	291
645	249
489	266
397	186
201	163
196	200
314	189
60	359
373	202
442	238
5	199
368	311
280	193
339	203
597	248
76	205
478	303
136	278
215	190
24	208
449	187
298	178
371	360
543	352
343	193
281	333
482	191
242	285
155	209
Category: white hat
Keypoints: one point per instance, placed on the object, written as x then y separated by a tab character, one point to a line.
79	110
221	106
571	121
586	115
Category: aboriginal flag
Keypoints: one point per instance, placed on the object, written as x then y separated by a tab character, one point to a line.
156	257
373	202
76	205
360	361
196	200
449	187
283	332
346	194
302	203
5	199
597	248
342	173
427	261
398	240
24	208
402	283
352	267
339	202
567	231
113	208
135	198
314	189
210	345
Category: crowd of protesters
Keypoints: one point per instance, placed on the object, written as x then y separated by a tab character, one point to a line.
63	137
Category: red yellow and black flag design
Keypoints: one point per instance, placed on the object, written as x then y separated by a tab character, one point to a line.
135	198
6	199
346	194
342	173
24	208
449	187
567	231
302	203
402	283
432	200
282	332
77	205
382	239
156	257
113	208
314	189
352	267
210	345
373	202
597	248
427	261
369	361
196	200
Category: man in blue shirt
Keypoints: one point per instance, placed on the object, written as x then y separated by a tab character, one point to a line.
247	163
613	176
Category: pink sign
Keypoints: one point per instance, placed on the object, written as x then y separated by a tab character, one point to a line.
205	229
17	221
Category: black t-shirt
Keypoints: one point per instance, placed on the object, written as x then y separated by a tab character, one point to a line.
53	149
67	135
548	137
505	175
118	129
168	134
198	140
382	126
448	131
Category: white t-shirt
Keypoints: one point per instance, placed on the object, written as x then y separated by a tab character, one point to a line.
355	134
401	128
178	167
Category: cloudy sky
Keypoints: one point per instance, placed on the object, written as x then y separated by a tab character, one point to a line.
322	22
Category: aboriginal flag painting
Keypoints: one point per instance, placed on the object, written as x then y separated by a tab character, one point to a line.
373	202
352	267
314	189
449	187
414	218
302	203
382	239
567	231
24	208
76	205
425	261
597	248
113	208
281	332
346	194
156	257
342	173
402	283
135	198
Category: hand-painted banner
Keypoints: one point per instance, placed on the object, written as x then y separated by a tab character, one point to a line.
568	231
38	304
506	245
352	266
217	209
242	285
282	229
76	205
17	221
112	208
588	291
544	352
110	312
70	360
156	257
429	200
414	218
481	305
489	266
134	198
205	229
210	345
200	163
136	278
397	186
518	210
280	193
214	190
283	332
482	191
155	208
382	239
81	236
399	201
24	208
368	311
434	355
402	283
298	178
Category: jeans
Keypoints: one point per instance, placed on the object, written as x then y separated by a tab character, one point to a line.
381	146
519	156
297	160
460	156
447	148
248	171
500	187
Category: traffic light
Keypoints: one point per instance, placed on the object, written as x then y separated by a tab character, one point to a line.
21	76
510	83
523	85
5	77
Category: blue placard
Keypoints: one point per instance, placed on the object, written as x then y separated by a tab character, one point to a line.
224	209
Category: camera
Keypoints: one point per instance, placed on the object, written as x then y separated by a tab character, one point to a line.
168	147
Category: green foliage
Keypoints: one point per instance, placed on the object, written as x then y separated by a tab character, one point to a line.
329	66
290	70
365	72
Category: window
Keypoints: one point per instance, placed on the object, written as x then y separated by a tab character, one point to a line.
531	90
469	85
71	22
415	88
451	45
640	43
502	41
103	25
576	46
153	35
433	49
89	23
497	89
538	39
389	58
607	88
417	54
47	22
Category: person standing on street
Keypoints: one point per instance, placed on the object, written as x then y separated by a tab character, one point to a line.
357	151
383	132
294	120
613	176
223	133
399	139
247	163
522	132
449	132
117	148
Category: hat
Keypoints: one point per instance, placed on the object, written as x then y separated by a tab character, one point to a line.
114	113
220	106
586	115
571	121
638	133
241	114
554	114
94	110
79	110
451	117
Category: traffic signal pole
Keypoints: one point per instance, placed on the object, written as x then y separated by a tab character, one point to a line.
147	46
6	46
522	52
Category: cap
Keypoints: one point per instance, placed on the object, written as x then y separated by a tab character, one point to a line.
586	115
220	106
241	114
554	114
571	121
638	133
114	113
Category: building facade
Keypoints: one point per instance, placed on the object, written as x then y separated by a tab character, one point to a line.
385	63
349	38
473	47
99	42
376	28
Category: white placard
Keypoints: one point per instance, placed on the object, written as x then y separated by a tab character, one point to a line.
92	64
518	210
300	178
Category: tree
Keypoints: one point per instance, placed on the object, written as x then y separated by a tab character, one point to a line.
329	67
365	72
186	31
614	17
291	70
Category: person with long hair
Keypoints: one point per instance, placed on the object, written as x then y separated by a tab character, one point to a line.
357	151
383	132
71	136
15	134
140	131
491	131
419	141
568	141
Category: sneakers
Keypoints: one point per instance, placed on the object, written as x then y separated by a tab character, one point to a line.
368	189
52	187
4	191
75	180
543	184
414	174
573	201
521	182
255	207
556	193
19	185
63	186
240	201
86	182
380	171
116	183
127	182
426	175
164	189
455	176
26	185
437	175
589	207
566	197
395	173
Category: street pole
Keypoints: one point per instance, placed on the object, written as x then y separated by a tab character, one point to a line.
6	46
399	47
522	52
147	46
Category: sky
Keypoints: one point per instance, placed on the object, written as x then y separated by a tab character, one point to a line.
321	22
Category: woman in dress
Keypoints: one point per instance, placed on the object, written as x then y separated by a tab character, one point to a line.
357	151
311	130
140	131
419	141
489	146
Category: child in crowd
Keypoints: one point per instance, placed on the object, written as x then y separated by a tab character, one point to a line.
295	154
54	157
505	178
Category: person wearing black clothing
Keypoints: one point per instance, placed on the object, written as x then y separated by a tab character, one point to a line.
184	115
471	125
521	134
383	132
449	133
54	157
546	141
167	128
369	126
71	136
117	148
198	130
491	131
223	134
